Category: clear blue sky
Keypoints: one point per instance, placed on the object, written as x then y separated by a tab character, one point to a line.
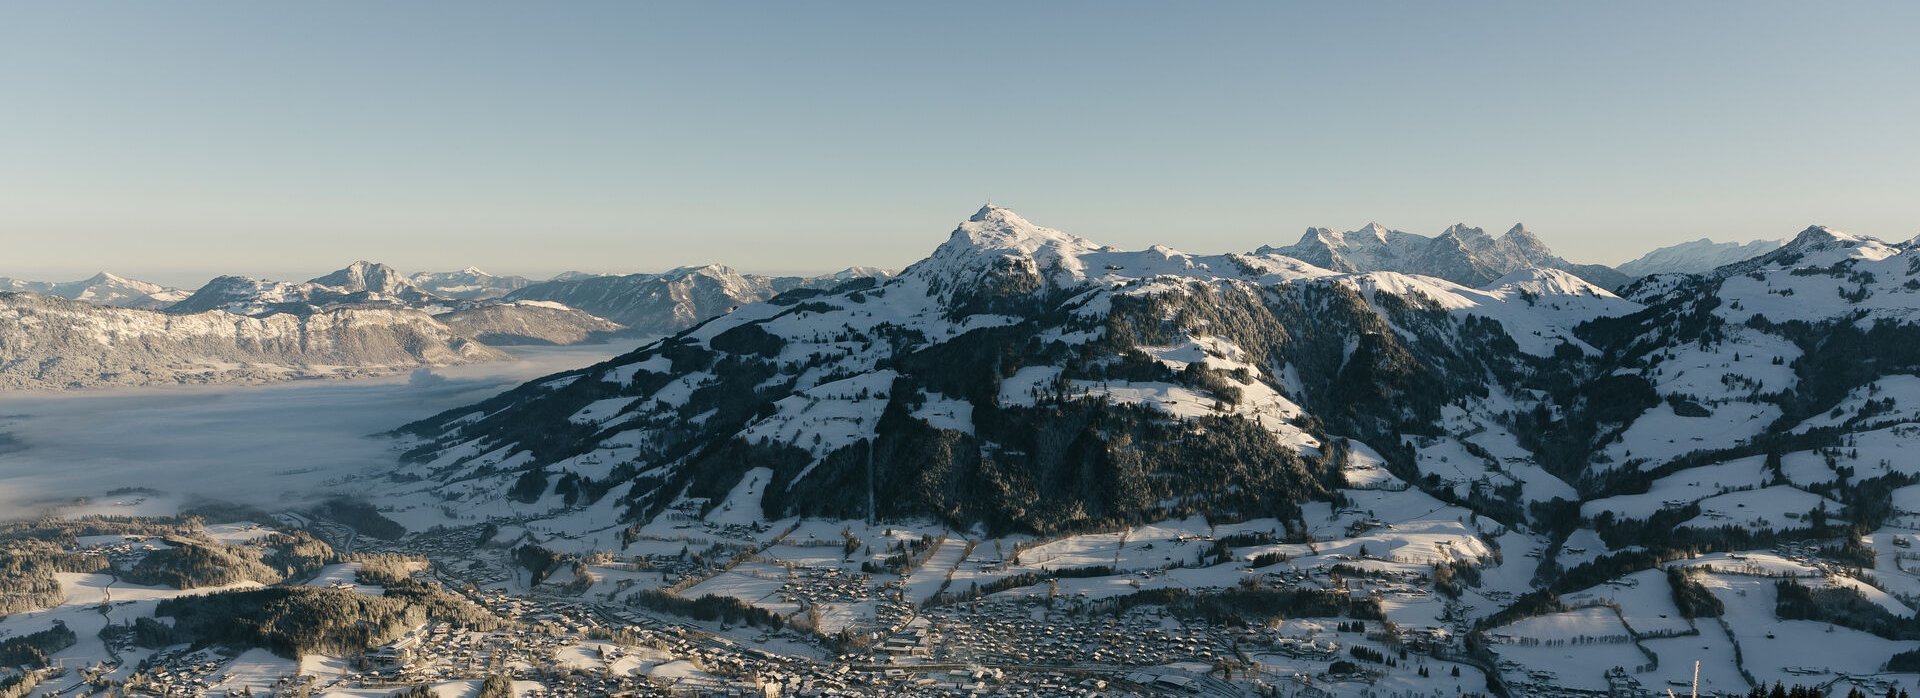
180	140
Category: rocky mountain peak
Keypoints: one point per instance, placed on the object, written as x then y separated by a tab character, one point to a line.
368	276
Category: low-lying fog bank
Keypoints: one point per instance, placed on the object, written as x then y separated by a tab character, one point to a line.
256	444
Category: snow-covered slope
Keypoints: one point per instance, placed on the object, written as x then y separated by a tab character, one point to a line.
1785	374
528	322
1461	254
1697	257
54	343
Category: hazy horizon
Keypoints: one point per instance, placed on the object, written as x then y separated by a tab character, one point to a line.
176	142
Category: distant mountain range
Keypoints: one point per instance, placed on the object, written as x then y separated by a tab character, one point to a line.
54	343
678	299
101	289
365	318
361	284
469	284
1697	257
1459	254
472	306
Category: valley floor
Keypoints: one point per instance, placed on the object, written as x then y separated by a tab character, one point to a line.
1017	615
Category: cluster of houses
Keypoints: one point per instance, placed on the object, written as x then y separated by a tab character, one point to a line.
123	552
1023	631
182	673
815	586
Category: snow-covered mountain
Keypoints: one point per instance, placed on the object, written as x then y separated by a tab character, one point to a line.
364	319
642	304
1697	257
102	289
1709	468
55	343
469	284
675	300
1022	378
252	297
1750	398
1371	248
373	286
1460	254
1569	490
374	278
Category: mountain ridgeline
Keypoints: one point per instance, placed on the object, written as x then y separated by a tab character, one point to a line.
102	289
1463	255
50	342
364	319
657	304
1023	379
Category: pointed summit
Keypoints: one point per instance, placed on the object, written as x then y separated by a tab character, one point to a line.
1820	235
995	244
1319	235
988	210
1526	242
1000	229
